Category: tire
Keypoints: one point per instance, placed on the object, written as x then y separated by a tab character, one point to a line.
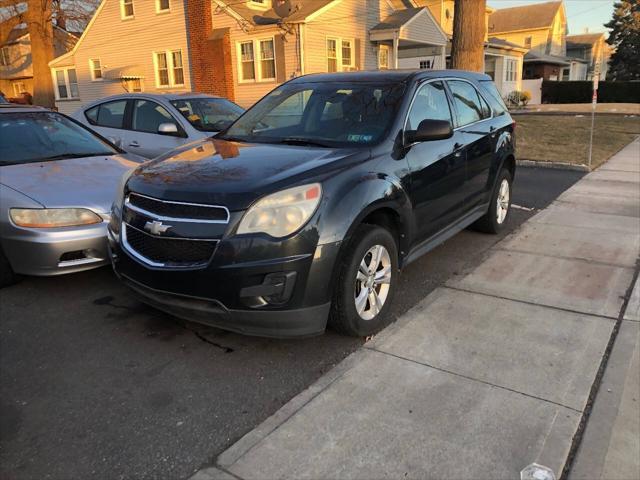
7	276
353	284
492	222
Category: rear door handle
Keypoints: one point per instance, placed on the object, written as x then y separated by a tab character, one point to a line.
457	150
134	144
492	131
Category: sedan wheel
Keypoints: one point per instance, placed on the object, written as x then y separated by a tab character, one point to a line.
373	281
502	202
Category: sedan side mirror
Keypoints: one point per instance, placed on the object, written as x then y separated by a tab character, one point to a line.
168	128
429	130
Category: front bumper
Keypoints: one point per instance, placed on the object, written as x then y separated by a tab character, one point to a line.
56	251
230	292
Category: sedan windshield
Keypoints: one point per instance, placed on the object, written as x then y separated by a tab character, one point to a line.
42	136
329	114
208	114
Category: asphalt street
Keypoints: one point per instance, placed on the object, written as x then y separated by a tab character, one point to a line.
96	385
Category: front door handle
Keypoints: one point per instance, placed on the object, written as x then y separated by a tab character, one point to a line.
492	131
457	150
134	144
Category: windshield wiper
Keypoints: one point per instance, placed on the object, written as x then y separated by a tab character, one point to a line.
302	141
64	156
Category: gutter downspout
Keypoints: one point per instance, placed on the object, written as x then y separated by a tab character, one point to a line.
395	49
301	31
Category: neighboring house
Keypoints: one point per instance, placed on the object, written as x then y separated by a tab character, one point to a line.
503	60
239	49
16	69
592	50
128	46
541	28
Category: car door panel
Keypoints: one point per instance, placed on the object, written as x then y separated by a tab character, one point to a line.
142	138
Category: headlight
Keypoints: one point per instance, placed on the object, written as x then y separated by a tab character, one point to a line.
282	213
53	217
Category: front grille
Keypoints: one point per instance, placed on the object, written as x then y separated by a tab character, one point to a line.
191	211
169	251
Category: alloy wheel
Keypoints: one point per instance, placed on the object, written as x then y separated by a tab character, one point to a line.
502	207
373	280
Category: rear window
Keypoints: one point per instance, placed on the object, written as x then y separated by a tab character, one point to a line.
110	114
493	97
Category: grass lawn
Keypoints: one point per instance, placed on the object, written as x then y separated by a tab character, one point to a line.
565	138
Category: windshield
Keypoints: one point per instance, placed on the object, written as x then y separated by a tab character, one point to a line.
208	114
331	114
41	136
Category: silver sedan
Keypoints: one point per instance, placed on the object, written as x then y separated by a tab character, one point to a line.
57	183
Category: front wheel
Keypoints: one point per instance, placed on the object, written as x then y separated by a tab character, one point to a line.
500	206
366	283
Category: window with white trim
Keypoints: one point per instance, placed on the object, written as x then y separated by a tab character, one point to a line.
250	70
5	57
511	70
340	54
126	9
19	88
169	69
163	6
66	83
425	64
96	69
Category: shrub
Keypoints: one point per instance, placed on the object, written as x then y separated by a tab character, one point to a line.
525	97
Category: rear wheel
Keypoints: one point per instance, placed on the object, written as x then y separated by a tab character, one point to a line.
500	206
7	276
366	283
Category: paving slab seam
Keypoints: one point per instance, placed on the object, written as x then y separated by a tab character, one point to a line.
595	387
544	305
566	202
538	221
484	382
561	257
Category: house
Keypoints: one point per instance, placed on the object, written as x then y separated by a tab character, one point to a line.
503	60
593	51
16	69
541	28
128	46
238	49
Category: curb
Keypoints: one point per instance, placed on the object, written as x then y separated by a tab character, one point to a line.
553	165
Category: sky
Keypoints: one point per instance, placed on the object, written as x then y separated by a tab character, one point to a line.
581	14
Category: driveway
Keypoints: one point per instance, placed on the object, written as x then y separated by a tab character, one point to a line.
96	385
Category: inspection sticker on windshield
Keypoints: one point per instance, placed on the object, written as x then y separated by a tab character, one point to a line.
359	138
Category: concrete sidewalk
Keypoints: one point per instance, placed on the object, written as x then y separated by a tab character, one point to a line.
486	375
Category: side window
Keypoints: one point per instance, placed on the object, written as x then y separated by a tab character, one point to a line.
92	115
486	110
465	98
430	103
109	114
494	98
148	115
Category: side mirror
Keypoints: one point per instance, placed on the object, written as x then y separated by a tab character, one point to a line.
429	130
116	141
168	129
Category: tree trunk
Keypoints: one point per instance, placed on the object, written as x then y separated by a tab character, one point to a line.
38	19
469	29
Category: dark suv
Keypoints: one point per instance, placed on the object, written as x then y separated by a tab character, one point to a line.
304	211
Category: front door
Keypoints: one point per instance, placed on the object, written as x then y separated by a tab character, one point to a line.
437	167
143	137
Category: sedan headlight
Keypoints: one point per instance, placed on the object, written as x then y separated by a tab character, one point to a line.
53	217
282	213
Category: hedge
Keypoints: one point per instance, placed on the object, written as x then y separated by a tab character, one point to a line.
581	92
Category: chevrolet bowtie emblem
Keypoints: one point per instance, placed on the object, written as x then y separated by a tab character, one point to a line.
156	228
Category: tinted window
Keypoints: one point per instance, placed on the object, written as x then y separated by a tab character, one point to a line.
486	111
41	136
110	114
430	103
467	103
494	98
147	116
208	114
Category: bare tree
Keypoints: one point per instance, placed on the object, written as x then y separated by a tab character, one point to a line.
469	29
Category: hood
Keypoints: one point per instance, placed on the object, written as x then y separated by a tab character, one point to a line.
234	175
88	182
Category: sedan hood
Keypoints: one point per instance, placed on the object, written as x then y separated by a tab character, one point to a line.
88	182
234	175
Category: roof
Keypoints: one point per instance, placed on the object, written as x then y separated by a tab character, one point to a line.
16	34
500	43
584	39
400	75
398	18
153	96
534	57
259	17
526	17
16	107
